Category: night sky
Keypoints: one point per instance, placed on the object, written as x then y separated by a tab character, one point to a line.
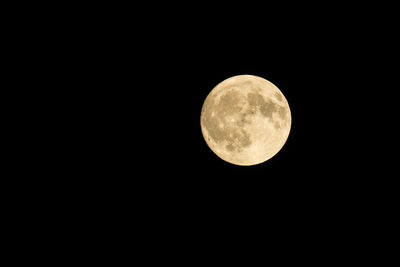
152	85
134	90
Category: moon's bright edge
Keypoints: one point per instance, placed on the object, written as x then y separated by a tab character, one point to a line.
245	120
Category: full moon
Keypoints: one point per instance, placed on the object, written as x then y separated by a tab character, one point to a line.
245	120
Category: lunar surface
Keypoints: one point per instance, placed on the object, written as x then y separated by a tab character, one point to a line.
245	120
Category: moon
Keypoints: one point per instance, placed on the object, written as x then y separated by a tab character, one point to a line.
245	120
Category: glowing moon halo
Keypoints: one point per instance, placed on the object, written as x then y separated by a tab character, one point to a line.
245	120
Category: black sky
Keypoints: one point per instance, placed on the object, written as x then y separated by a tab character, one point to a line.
151	96
133	89
107	153
146	84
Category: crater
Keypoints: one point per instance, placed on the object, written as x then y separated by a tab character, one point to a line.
278	96
255	99
215	132
230	147
244	118
238	140
243	138
235	137
268	108
245	84
212	123
229	103
257	102
282	112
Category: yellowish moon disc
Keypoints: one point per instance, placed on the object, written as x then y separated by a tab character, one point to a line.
245	120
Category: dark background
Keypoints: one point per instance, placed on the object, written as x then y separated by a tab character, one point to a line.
150	84
122	91
142	83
